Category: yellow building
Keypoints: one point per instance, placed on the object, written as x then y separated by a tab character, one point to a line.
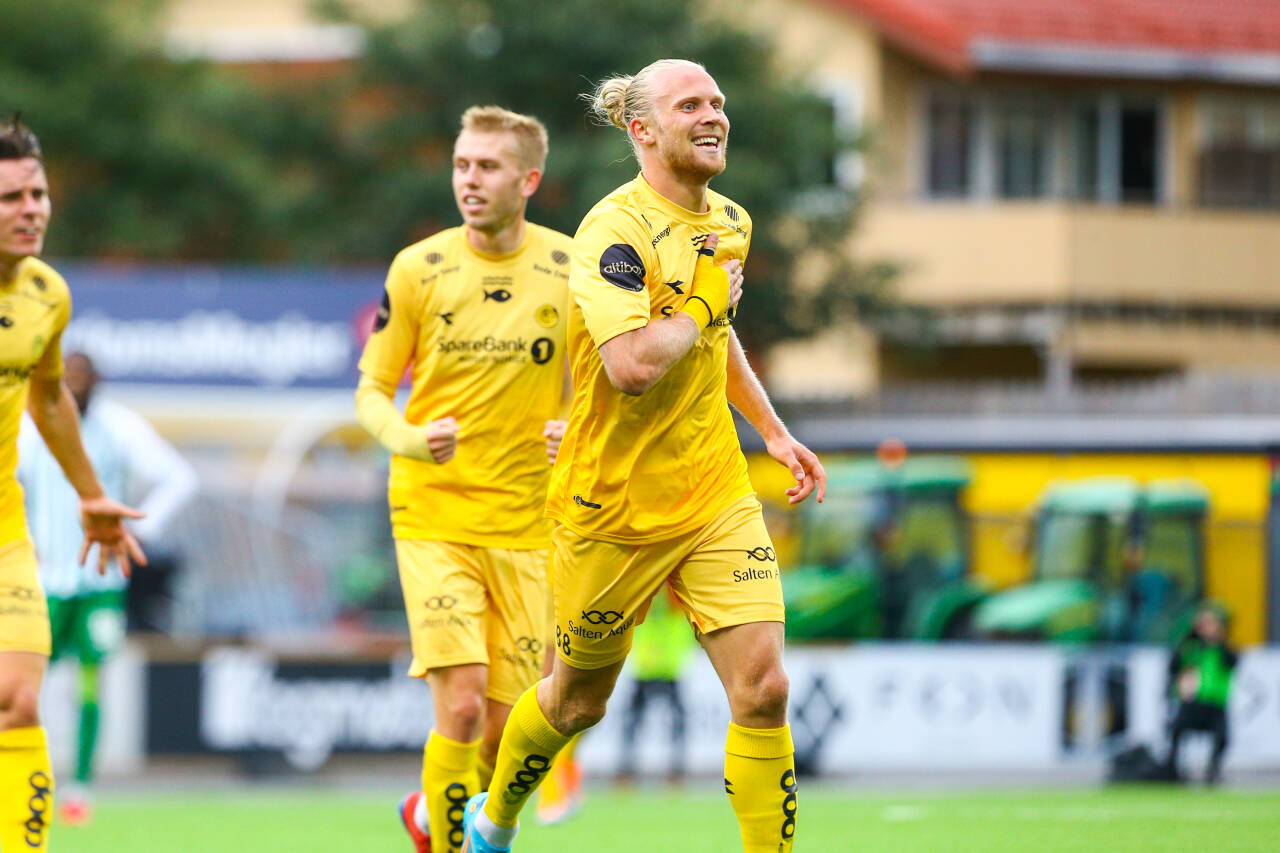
1073	191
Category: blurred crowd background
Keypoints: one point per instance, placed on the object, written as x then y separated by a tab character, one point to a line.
1016	276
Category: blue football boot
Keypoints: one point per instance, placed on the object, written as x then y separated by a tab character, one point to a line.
472	841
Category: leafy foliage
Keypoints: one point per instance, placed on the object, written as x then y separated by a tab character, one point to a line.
157	157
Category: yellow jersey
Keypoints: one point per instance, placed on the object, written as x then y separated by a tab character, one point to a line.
34	309
661	464
485	336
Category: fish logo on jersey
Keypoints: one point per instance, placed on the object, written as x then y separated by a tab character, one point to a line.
500	295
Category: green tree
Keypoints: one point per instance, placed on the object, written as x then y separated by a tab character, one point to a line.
151	157
538	56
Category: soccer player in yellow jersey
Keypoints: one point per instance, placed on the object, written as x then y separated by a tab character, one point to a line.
650	486
478	313
34	308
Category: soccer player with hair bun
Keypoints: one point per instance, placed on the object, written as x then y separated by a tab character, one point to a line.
35	306
650	487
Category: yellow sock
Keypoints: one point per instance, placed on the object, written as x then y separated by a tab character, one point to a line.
560	783
760	778
529	746
485	769
26	790
448	780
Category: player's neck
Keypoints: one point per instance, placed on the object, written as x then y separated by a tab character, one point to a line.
9	268
690	196
501	242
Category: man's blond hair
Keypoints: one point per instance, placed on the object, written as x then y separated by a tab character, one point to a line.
618	100
530	134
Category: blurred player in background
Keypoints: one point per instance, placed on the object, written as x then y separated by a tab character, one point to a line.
1200	672
478	312
86	608
651	485
659	653
34	308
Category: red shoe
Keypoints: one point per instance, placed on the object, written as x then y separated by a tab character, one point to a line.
409	805
75	811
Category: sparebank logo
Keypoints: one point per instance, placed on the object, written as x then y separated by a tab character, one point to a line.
620	265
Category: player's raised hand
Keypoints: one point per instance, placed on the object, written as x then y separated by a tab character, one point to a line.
103	523
804	466
553	432
442	439
733	267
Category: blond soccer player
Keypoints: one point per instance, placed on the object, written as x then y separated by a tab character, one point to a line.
35	306
650	486
477	313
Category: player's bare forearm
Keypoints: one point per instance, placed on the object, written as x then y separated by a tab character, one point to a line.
748	396
636	360
54	413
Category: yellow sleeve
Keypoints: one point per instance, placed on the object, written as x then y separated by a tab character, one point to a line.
376	411
391	346
386	355
612	263
50	364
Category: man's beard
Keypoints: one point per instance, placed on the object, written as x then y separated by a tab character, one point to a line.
683	162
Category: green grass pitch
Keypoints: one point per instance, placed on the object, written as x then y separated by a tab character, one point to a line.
271	820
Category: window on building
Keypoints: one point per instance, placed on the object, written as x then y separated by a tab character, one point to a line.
1023	136
1139	150
950	130
1086	130
1240	153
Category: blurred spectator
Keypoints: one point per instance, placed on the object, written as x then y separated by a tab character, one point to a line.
86	608
659	653
1200	673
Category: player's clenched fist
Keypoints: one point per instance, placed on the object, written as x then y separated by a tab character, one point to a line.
715	287
442	439
553	432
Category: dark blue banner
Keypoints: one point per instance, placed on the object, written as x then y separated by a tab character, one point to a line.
242	326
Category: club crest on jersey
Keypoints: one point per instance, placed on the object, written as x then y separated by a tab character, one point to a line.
547	316
560	257
500	295
620	265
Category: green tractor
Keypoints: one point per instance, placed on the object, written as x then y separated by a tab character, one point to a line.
885	556
1111	561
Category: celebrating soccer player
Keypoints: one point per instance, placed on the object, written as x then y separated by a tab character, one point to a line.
478	312
651	486
86	607
33	312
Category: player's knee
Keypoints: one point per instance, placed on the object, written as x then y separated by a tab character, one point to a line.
763	697
465	713
19	706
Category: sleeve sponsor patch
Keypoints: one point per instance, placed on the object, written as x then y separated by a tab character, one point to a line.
620	265
384	312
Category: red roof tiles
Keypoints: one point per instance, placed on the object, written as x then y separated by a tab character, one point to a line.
943	32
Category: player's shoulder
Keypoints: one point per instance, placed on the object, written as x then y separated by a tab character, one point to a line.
44	277
734	212
620	210
549	238
430	251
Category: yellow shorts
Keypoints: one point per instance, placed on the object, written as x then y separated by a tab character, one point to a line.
470	604
24	614
722	575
